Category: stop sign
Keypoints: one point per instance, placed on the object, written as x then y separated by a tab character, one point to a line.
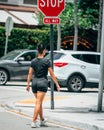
51	7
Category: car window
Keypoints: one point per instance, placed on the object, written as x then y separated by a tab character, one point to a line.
11	56
98	59
77	56
56	55
28	56
90	58
47	52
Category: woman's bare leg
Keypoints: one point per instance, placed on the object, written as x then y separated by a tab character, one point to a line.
38	109
41	109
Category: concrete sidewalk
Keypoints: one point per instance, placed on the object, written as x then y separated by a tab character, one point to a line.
78	111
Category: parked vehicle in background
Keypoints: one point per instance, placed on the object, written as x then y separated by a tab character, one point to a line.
15	65
76	69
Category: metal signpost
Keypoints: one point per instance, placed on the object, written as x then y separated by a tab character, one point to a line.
51	9
52	48
8	26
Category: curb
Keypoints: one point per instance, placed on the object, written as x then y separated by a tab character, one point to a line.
57	121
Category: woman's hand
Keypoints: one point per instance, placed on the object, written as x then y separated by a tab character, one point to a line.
54	78
28	88
58	87
29	78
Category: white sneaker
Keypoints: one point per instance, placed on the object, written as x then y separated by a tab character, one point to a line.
43	122
35	125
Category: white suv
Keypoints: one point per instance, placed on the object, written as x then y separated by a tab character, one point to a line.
76	69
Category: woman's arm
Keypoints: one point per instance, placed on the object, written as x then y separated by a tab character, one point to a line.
29	78
54	78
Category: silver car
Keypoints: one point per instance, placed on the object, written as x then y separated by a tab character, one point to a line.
15	65
76	69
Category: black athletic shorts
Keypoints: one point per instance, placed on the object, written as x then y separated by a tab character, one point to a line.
39	84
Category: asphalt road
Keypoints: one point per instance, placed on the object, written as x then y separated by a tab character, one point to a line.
15	91
10	120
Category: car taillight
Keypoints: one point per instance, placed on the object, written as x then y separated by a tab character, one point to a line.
60	64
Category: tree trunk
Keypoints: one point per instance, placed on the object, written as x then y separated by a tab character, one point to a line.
75	25
58	37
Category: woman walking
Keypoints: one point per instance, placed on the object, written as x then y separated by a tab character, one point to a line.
40	66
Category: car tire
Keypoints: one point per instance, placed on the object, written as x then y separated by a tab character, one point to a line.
75	83
3	77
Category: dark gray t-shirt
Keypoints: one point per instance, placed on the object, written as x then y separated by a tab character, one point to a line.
40	66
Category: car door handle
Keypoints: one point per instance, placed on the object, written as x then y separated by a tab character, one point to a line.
83	66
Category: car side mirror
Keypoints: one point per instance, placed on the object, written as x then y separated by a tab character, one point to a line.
20	59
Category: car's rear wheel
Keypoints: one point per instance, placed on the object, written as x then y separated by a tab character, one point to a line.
75	83
3	77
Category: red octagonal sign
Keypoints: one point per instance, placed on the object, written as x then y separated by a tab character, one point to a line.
51	7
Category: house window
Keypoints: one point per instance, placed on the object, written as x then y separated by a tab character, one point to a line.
33	2
3	0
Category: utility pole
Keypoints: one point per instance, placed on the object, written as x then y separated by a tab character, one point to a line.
101	78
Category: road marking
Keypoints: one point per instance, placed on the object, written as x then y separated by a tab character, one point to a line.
47	98
21	114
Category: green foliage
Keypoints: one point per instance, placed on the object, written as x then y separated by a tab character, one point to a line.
89	4
2	41
40	17
67	16
89	13
23	39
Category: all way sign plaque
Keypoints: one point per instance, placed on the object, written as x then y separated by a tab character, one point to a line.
54	20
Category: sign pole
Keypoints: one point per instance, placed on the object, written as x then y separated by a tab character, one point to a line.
9	27
6	45
52	48
51	10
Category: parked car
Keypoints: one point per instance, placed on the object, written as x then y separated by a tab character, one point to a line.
76	69
15	65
